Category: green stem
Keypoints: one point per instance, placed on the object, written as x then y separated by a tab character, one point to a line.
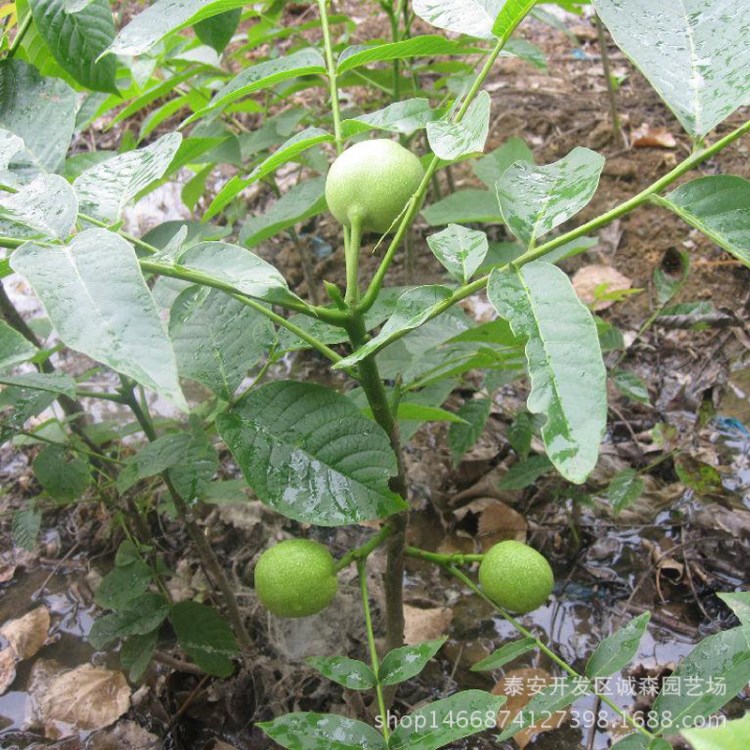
333	317
595	224
362	571
20	35
413	208
611	91
546	650
377	397
129	237
332	76
395	18
208	557
435	557
360	553
352	261
197	277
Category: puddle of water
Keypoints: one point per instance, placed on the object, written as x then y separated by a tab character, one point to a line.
72	619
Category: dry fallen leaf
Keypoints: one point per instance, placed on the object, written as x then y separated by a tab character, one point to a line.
7	669
27	634
519	686
82	699
125	734
650	137
425	624
589	282
7	571
494	520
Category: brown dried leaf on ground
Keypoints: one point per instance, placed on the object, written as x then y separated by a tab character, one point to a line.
650	137
519	686
425	624
494	521
126	734
7	571
86	698
595	281
7	669
27	634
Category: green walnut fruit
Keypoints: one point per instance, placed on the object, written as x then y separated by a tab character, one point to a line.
371	182
516	577
296	578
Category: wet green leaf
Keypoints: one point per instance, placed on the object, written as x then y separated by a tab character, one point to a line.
310	454
351	673
76	38
51	382
217	339
462	436
408	661
460	250
739	602
140	616
287	152
731	736
451	140
105	189
490	168
41	111
311	731
471	17
123	584
414	307
631	386
217	31
163	17
47	204
25	527
568	378
718	206
534	200
188	456
693	52
239	268
205	636
98	302
624	489
136	652
442	722
418	46
64	478
303	201
468	206
14	348
263	75
725	658
520	433
525	473
554	698
616	651
405	117
505	654
632	742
